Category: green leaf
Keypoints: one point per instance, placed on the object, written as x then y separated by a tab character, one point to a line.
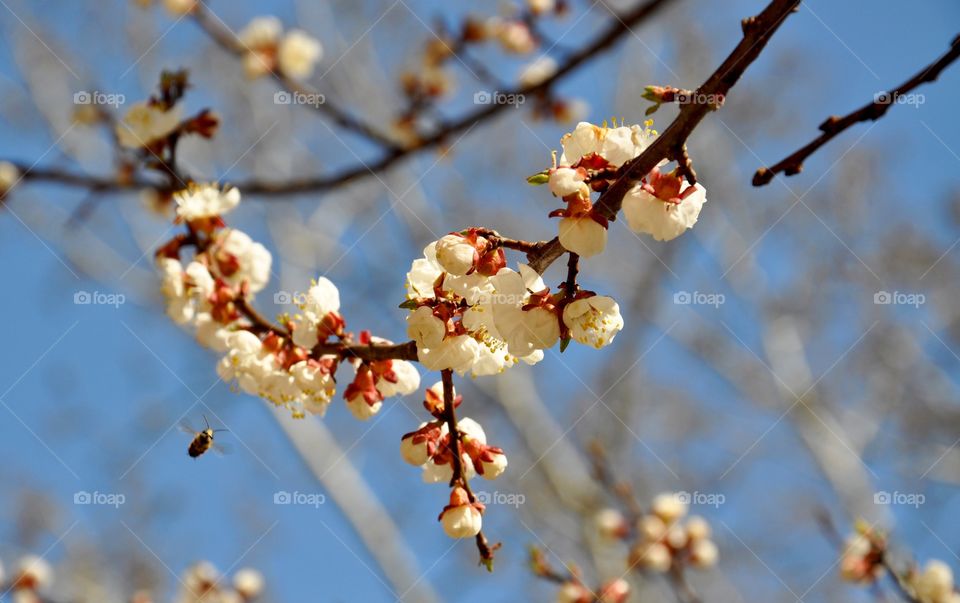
652	109
563	344
410	304
539	178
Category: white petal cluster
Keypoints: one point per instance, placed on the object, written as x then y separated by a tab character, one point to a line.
934	584
538	71
456	255
582	235
320	301
238	259
294	54
663	220
307	386
186	291
145	124
593	320
616	145
481	348
205	201
461	518
203	583
664	537
298	54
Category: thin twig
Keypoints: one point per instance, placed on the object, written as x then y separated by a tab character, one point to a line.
873	111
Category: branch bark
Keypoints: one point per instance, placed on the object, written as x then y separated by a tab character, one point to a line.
833	126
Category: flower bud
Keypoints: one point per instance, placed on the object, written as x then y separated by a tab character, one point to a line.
615	591
495	467
610	523
461	518
456	255
703	554
574	592
669	507
248	583
33	573
697	528
655	557
582	235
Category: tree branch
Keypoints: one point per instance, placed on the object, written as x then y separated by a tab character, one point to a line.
618	28
757	31
873	111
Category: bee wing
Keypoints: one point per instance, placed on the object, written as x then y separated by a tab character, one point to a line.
221	449
185	428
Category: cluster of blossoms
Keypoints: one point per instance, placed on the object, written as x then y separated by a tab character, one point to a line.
212	294
665	538
514	33
934	584
574	591
862	557
863	562
30	577
202	583
148	126
431	448
269	50
662	205
470	313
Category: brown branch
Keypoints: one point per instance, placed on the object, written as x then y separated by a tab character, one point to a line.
228	40
373	352
757	31
459	476
618	28
873	111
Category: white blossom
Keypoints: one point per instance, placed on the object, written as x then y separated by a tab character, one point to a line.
703	554
298	53
663	220
414	453
205	201
564	181
424	327
463	521
582	235
261	32
458	353
408	380
669	507
494	468
238	259
456	255
615	145
935	583
593	320
538	71
145	123
360	409
35	571
248	583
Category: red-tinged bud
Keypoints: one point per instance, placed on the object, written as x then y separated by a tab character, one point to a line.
204	123
615	591
364	384
492	262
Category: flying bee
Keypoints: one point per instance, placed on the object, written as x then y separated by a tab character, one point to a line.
202	440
